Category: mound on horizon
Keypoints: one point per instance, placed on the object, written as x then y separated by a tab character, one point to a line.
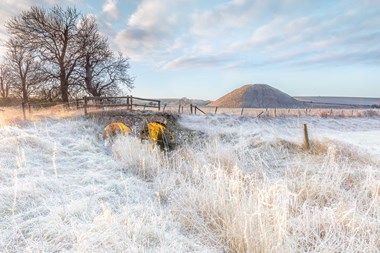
257	96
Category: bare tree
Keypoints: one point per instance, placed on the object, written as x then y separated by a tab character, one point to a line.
100	72
24	68
50	34
112	75
5	80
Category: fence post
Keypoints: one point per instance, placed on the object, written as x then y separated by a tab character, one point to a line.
179	108
85	105
159	105
242	110
191	108
275	112
163	109
197	108
23	110
306	137
216	109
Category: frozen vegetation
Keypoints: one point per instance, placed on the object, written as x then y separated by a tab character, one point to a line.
236	185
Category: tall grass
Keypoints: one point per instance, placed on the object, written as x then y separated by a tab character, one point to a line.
267	197
241	185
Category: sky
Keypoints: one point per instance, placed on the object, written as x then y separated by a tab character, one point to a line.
205	49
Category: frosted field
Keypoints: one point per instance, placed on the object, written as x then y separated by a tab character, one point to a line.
242	185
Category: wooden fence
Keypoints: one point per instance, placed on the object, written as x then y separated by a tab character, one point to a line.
96	103
128	102
273	112
30	107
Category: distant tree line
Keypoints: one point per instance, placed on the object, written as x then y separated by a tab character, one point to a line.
58	54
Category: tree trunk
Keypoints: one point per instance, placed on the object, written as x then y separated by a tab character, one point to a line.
64	86
65	92
2	86
24	90
88	78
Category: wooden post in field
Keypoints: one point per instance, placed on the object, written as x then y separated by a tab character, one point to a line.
179	108
306	137
163	109
216	109
182	108
23	110
275	112
242	110
159	105
191	108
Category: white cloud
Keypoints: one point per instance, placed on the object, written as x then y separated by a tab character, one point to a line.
235	13
322	38
153	29
196	62
110	8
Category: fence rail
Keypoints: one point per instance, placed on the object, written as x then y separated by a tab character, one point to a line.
129	102
37	106
273	112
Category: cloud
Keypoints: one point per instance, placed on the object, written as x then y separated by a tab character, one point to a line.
345	34
237	14
223	17
152	29
110	8
196	62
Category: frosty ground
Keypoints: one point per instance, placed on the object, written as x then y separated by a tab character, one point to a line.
239	184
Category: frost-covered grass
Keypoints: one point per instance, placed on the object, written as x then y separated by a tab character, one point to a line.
244	185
